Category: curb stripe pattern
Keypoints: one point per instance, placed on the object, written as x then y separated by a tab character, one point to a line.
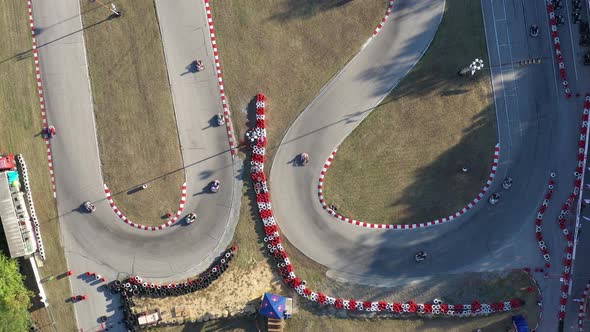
41	97
122	216
557	45
286	270
226	112
452	217
384	19
566	210
582	308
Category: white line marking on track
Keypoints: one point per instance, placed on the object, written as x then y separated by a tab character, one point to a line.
572	41
501	76
513	72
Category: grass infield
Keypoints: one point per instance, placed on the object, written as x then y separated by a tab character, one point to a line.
136	124
401	165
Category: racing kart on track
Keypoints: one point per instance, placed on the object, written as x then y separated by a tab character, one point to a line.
494	199
190	218
303	159
89	206
214	186
420	256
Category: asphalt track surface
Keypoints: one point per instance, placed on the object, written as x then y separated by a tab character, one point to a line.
101	242
538	133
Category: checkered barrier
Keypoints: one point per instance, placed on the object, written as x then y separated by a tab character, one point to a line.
41	97
452	217
273	244
122	216
29	194
224	102
539	220
557	46
568	206
582	307
384	19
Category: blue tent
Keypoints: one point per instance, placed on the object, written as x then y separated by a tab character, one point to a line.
520	324
273	306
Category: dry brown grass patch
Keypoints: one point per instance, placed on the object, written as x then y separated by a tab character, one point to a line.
20	125
135	119
401	165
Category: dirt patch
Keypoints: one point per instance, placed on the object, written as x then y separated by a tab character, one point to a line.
407	154
236	292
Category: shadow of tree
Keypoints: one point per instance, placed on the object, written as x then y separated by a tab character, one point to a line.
297	9
422	203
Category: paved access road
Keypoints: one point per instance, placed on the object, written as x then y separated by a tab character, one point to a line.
101	242
538	133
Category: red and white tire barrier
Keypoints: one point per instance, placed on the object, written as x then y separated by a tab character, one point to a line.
33	216
384	19
557	45
539	220
122	216
452	217
41	98
273	244
582	308
569	205
226	112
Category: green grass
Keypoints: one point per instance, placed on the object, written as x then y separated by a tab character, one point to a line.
401	165
20	125
135	119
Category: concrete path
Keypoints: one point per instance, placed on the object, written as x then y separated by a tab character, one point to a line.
100	242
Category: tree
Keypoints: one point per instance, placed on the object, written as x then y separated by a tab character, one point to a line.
15	298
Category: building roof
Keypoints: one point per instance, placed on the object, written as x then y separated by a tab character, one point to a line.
273	306
16	245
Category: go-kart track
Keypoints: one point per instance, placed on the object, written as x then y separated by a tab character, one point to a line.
538	130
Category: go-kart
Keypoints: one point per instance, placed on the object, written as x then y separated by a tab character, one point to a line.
494	199
220	119
420	256
50	132
507	183
200	66
534	30
303	159
214	186
190	218
89	206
